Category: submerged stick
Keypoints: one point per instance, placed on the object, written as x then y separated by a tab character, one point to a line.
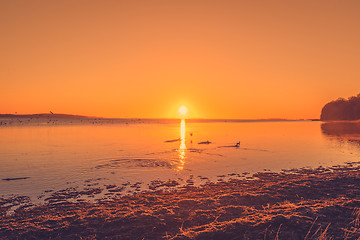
11	179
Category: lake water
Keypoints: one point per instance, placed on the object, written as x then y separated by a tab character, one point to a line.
82	155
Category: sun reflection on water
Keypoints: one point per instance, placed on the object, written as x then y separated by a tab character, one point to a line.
182	147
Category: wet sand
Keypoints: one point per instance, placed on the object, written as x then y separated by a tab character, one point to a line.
320	203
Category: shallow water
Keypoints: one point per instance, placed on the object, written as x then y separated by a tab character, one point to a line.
80	155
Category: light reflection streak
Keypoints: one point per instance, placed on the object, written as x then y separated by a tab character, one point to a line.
182	147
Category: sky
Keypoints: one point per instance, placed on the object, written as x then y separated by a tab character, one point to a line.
144	59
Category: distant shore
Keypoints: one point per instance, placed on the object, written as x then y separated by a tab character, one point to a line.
44	115
43	119
295	204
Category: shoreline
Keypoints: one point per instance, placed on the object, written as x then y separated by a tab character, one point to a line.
292	204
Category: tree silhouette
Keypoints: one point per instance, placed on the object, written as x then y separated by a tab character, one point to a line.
342	109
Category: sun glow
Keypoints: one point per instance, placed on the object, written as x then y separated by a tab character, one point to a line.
183	110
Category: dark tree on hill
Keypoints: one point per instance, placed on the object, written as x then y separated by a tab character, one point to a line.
342	109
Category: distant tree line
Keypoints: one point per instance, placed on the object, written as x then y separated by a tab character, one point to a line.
342	109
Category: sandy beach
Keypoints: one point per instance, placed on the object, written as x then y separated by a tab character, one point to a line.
320	203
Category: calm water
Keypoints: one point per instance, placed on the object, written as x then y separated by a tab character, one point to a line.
83	155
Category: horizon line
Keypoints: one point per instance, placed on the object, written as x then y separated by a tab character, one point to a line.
74	116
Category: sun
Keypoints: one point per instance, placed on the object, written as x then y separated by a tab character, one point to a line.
183	110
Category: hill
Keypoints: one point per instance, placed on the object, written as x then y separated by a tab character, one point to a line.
44	115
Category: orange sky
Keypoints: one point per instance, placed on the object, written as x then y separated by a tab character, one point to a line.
221	58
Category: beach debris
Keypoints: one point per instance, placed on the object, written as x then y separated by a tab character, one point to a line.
12	179
154	185
196	150
72	193
237	145
207	142
173	140
118	189
126	184
136	185
138	162
190	182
